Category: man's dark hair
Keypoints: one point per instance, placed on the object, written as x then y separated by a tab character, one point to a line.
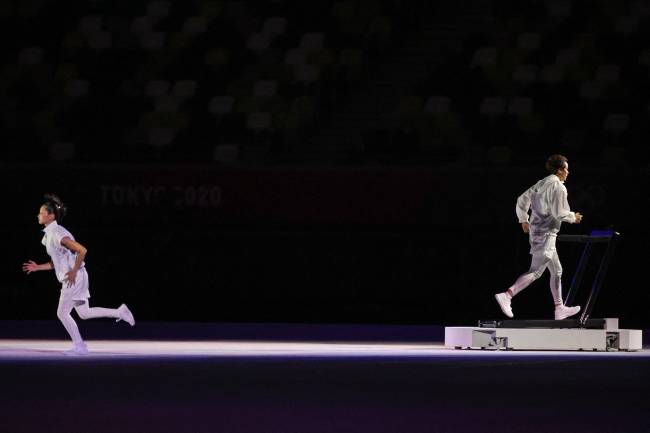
555	162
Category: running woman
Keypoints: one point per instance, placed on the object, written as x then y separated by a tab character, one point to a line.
67	260
549	208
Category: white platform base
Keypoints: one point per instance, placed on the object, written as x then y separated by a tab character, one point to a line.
543	339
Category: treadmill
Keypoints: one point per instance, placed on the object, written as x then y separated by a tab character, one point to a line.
582	333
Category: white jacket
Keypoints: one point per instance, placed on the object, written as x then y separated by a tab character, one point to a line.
547	201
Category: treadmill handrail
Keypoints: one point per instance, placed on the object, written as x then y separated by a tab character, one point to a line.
585	238
600	277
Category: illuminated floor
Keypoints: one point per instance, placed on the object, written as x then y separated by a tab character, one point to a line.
106	349
315	386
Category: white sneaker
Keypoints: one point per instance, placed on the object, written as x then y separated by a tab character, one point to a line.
562	311
78	349
123	313
504	302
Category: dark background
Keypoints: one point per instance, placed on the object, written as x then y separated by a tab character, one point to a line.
369	182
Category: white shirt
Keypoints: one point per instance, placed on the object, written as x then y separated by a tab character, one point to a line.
547	201
62	258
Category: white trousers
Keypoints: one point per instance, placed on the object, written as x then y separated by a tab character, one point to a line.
544	257
67	304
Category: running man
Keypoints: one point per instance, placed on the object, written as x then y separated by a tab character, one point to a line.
549	208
